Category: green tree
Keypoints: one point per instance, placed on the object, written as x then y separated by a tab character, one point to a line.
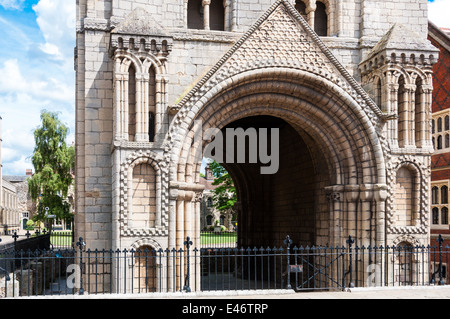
53	163
224	196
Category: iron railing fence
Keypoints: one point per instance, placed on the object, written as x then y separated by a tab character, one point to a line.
39	240
84	271
221	239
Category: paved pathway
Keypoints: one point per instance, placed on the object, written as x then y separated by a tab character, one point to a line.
428	292
9	239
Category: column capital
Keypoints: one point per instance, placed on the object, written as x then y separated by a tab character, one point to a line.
380	192
334	193
352	192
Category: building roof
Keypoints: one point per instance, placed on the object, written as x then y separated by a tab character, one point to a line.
15	178
8	185
207	183
440	35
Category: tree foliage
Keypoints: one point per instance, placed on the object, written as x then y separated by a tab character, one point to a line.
53	163
224	196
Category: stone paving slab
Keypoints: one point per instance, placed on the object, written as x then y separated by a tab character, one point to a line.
428	292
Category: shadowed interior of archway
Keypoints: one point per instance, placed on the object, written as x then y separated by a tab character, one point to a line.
271	206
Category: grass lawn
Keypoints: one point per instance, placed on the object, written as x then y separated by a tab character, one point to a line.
217	238
61	238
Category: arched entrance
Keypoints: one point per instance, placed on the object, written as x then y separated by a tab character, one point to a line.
331	169
283	202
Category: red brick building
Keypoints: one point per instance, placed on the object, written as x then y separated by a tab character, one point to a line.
440	161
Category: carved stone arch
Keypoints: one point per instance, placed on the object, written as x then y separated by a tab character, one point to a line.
124	58
221	88
126	174
150	60
407	238
397	72
154	244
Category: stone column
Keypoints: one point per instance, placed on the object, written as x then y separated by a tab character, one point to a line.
310	12
185	14
206	4
159	112
393	107
352	199
411	114
90	12
120	100
172	240
380	196
366	196
139	109
145	106
335	201
427	97
227	19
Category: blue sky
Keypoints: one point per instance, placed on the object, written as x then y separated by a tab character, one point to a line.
37	38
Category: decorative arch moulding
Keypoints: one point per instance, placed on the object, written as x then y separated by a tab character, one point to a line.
421	172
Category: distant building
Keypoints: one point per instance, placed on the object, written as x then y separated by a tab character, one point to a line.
440	160
24	203
209	215
9	211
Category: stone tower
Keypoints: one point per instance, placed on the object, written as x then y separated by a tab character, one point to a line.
347	83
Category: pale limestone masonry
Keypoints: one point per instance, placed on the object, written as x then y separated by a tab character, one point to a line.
353	107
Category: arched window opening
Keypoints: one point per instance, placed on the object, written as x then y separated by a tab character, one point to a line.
301	8
321	19
446	123
195	14
217	15
444	195
439	124
447	141
131	103
444	216
433	126
439	142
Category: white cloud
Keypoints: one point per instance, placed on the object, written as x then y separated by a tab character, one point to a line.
12	4
13	82
438	11
60	40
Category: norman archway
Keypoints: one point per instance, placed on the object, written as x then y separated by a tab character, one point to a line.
342	159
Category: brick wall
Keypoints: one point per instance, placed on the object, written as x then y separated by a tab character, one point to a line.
441	79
